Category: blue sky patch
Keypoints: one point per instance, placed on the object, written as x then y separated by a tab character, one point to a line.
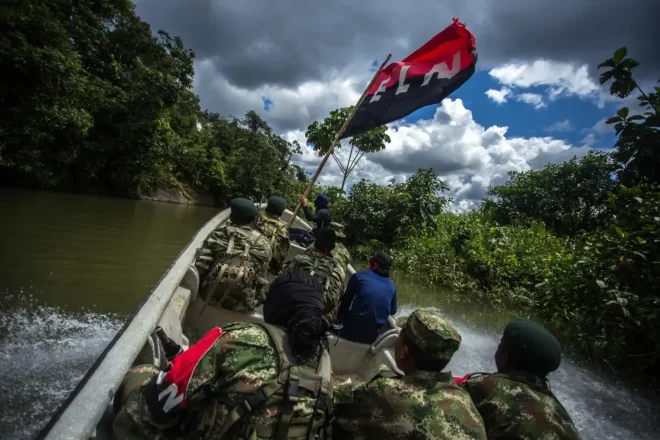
524	120
268	104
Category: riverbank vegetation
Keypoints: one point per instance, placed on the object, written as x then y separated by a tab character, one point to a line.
575	244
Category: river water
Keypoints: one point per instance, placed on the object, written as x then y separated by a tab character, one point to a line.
72	269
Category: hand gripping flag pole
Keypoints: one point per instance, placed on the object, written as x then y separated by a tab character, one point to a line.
336	140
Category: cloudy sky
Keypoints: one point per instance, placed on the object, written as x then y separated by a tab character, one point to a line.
533	100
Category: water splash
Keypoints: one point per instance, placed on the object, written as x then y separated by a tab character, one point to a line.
44	352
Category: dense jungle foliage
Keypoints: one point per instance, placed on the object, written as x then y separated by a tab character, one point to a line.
91	99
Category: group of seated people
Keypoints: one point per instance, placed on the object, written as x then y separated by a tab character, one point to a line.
238	257
273	380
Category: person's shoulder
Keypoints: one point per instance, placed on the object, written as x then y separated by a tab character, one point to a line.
247	331
483	379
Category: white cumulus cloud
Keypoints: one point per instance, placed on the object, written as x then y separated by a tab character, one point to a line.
533	99
468	156
559	78
560	127
499	96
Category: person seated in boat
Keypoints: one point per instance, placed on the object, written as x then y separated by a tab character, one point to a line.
275	231
234	260
425	403
246	380
321	219
516	402
369	299
319	263
340	253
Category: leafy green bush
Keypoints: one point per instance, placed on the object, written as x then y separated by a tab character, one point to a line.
389	214
469	251
614	283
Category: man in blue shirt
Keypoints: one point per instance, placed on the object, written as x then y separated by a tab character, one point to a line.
370	298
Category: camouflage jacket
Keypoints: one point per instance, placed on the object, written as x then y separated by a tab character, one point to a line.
278	236
328	272
519	406
422	405
233	267
341	255
236	365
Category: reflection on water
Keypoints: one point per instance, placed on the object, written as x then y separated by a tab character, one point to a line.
72	268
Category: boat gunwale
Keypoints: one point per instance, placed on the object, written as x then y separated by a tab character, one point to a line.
66	421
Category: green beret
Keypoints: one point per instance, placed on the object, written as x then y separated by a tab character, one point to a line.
531	347
243	208
134	379
338	228
276	205
437	338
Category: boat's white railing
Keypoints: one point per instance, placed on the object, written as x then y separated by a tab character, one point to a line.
91	398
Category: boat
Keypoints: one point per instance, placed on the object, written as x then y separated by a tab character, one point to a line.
174	304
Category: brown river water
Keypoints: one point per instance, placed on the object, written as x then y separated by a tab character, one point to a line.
74	267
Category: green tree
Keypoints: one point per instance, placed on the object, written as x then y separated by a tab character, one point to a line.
389	214
567	198
638	135
321	135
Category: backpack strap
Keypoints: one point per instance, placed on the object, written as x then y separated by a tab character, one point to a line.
292	379
230	246
214	285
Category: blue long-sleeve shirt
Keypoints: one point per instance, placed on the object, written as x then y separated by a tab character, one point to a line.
367	302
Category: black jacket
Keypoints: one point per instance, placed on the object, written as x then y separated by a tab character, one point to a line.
321	218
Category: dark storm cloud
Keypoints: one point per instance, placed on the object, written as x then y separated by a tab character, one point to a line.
582	31
255	42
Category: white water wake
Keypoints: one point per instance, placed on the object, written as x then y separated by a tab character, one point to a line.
44	353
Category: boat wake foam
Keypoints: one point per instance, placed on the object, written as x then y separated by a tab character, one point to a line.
44	352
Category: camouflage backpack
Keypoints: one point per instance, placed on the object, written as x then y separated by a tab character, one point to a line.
329	273
283	391
269	227
237	257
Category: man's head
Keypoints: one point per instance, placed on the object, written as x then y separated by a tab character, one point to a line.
527	346
295	303
276	206
321	202
243	211
426	342
325	240
381	263
339	230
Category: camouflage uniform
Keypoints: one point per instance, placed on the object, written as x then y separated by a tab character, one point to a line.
328	272
278	236
340	253
519	405
233	267
420	405
237	365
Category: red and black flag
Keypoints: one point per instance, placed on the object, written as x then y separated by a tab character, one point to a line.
423	78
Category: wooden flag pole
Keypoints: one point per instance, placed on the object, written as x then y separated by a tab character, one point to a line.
336	140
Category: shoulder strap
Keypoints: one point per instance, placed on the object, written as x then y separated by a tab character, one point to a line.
293	379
